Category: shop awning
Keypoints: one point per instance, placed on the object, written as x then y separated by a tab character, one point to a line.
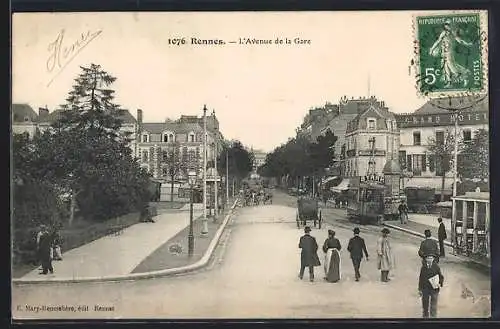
328	179
343	186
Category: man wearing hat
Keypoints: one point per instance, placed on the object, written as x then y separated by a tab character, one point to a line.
309	254
429	282
429	247
385	256
357	247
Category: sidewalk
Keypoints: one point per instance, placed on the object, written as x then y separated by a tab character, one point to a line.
117	255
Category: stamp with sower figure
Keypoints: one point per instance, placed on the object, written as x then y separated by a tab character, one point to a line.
451	53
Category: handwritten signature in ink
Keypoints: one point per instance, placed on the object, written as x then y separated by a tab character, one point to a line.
60	55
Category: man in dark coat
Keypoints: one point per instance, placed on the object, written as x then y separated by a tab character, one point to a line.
429	283
357	247
309	254
441	236
428	247
44	250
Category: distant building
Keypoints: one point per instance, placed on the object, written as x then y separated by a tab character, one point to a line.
372	139
259	159
24	119
156	139
430	121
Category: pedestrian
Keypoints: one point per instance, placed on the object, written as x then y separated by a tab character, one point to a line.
45	250
332	248
356	248
309	254
56	245
428	247
403	212
429	283
386	261
441	236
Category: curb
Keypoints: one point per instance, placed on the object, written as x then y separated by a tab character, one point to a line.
395	227
446	243
204	261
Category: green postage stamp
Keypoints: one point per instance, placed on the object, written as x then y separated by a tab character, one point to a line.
451	53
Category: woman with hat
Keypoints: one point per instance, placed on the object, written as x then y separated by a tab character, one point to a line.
309	254
331	248
385	256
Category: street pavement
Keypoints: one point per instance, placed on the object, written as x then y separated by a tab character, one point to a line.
115	255
254	275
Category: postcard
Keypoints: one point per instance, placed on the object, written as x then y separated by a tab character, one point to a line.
249	165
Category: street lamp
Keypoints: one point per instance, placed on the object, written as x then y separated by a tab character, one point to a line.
204	231
192	181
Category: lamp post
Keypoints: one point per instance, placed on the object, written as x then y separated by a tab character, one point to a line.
192	182
227	175
204	231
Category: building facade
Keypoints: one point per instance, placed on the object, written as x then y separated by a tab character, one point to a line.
24	119
157	141
259	159
431	124
372	139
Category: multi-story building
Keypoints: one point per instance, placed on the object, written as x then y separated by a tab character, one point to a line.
430	124
24	119
372	139
156	140
259	159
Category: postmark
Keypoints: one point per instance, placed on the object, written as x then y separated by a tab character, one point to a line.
451	54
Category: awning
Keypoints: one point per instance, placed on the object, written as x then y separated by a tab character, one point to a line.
328	179
343	186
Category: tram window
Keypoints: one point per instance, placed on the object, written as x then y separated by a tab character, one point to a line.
369	196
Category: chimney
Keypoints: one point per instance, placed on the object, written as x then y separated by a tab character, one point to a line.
43	112
139	116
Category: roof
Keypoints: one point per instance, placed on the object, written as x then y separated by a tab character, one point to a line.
374	112
457	102
178	128
392	167
22	111
124	115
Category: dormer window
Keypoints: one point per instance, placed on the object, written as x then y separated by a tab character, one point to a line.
191	137
145	138
372	124
171	138
168	137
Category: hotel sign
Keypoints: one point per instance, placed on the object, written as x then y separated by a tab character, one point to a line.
369	152
443	119
373	178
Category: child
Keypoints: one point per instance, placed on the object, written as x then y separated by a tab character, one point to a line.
429	283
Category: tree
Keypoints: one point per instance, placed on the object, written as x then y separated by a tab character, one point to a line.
176	164
88	155
441	154
473	160
240	161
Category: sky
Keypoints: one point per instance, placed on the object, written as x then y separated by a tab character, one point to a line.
260	93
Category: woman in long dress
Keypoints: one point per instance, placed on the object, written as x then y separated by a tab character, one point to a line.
332	248
386	261
444	47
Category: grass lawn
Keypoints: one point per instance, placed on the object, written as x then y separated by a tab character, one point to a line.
162	258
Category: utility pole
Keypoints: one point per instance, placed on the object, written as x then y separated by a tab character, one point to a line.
204	231
216	203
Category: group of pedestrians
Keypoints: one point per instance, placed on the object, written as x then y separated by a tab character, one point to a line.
48	248
431	278
332	262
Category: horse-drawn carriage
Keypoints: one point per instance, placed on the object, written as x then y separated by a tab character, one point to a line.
308	210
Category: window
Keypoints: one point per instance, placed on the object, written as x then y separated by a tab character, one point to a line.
165	156
440	137
416	138
26	119
191	137
402	159
467	135
409	164
418	164
432	163
171	138
144	138
145	156
164	171
165	138
371	124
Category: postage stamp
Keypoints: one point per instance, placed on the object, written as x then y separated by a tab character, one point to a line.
451	53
